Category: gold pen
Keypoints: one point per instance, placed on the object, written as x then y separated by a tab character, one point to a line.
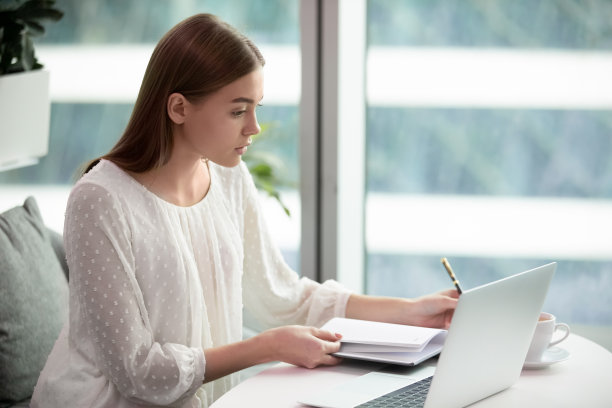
451	274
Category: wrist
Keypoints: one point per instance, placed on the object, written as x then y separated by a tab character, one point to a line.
264	345
398	310
407	311
380	308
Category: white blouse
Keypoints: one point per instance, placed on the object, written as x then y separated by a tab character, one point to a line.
153	284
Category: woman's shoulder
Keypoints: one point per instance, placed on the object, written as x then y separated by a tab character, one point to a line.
104	172
106	181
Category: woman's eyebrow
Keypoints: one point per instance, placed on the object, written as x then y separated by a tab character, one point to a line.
243	99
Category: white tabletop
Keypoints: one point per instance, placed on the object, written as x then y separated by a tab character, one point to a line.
584	380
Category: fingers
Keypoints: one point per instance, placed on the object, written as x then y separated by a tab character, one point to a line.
450	293
331	347
435	310
326	335
330	360
331	341
310	347
448	319
440	302
450	303
330	344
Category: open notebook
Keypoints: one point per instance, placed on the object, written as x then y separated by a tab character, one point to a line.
386	342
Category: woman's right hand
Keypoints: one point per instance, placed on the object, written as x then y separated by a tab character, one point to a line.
302	346
299	345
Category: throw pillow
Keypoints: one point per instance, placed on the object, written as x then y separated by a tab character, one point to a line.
33	300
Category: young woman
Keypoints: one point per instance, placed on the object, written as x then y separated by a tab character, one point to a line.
166	245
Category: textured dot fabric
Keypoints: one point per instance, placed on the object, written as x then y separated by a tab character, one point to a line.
153	284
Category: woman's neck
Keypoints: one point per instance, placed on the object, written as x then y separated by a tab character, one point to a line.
182	183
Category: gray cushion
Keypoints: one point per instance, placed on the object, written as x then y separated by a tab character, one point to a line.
57	242
33	300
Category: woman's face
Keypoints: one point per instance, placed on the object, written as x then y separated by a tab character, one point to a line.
220	126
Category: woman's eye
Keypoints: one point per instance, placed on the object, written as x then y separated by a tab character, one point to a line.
239	113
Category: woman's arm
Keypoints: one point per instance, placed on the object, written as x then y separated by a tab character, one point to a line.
435	310
310	347
111	317
299	345
275	295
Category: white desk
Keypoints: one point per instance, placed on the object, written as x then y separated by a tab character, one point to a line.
584	380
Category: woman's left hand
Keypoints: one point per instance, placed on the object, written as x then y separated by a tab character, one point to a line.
434	310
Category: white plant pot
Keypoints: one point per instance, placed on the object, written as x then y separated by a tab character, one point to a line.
25	112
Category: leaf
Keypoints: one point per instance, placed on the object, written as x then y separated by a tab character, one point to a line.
10	5
267	168
20	20
11	50
262	170
28	60
31	14
34	28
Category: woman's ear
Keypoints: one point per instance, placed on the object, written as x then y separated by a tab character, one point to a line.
177	108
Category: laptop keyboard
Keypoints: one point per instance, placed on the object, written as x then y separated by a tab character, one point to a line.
412	395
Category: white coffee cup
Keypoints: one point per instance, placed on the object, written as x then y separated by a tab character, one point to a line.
543	336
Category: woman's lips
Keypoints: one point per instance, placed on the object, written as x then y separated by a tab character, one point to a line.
242	150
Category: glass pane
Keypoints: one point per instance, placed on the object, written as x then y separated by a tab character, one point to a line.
96	56
488	142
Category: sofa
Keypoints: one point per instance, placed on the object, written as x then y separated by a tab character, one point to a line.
33	299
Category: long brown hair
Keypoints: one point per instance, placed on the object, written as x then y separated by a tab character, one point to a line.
197	57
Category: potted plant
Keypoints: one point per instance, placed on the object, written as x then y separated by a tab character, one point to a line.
266	167
24	87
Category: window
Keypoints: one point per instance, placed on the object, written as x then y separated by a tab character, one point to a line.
487	128
488	142
97	55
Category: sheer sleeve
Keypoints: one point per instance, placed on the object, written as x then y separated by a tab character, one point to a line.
273	293
111	309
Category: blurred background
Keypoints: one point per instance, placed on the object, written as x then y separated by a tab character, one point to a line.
488	133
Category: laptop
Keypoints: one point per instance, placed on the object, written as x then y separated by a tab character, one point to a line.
483	354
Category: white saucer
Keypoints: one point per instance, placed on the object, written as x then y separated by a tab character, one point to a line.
551	356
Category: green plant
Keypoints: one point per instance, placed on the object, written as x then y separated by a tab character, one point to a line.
265	168
20	21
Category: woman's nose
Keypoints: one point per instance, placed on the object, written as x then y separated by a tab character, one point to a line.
252	128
